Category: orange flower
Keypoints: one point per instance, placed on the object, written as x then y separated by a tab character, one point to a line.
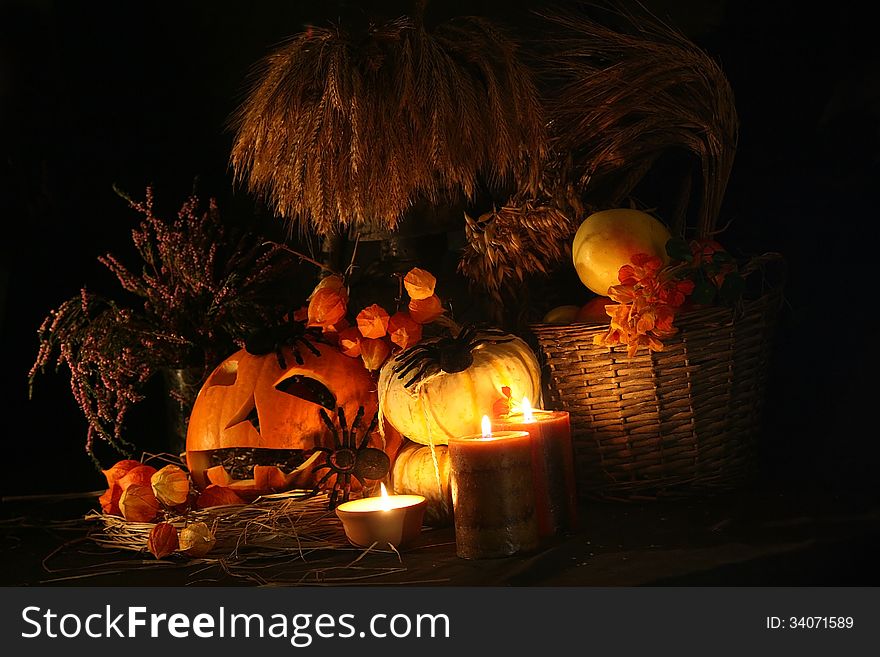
404	331
373	321
375	352
419	283
426	310
140	475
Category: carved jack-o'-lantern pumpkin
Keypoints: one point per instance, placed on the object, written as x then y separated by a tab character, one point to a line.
250	404
441	388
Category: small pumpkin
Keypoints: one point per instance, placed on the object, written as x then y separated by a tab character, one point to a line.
414	473
441	388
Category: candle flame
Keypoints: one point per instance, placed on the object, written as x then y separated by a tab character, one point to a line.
386	500
486	425
528	416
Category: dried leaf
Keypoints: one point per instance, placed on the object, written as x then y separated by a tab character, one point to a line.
138	503
419	283
372	321
426	310
170	485
404	330
162	540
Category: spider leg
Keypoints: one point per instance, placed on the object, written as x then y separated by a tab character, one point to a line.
466	334
296	355
346	491
418	375
484	341
326	419
280	357
370	429
414	355
423	362
343	425
309	344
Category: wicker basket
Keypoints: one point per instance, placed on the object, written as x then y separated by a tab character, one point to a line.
672	423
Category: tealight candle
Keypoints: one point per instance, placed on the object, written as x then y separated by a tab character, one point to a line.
553	465
382	520
493	493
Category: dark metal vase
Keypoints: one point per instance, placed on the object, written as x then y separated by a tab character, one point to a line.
181	387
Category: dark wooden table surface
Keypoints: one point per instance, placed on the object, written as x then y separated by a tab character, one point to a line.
764	536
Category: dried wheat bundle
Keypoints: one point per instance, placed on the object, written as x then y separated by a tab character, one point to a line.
621	99
342	129
505	246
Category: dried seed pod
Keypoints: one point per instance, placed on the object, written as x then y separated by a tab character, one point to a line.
118	470
404	330
170	485
419	283
375	352
372	321
138	504
196	540
426	310
140	475
163	540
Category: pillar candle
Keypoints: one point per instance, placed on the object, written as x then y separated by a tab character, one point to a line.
552	464
493	494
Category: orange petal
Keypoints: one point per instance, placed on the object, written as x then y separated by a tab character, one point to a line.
419	283
404	330
426	310
374	352
372	321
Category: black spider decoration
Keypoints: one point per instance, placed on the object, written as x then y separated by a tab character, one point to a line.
449	354
350	459
287	334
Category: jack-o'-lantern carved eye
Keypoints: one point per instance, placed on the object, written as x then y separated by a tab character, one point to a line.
309	389
247	413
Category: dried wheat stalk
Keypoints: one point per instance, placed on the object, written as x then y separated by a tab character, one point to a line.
344	130
623	98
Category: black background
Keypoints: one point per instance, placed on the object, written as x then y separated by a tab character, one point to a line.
133	93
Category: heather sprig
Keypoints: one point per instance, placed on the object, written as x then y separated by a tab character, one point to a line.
200	293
